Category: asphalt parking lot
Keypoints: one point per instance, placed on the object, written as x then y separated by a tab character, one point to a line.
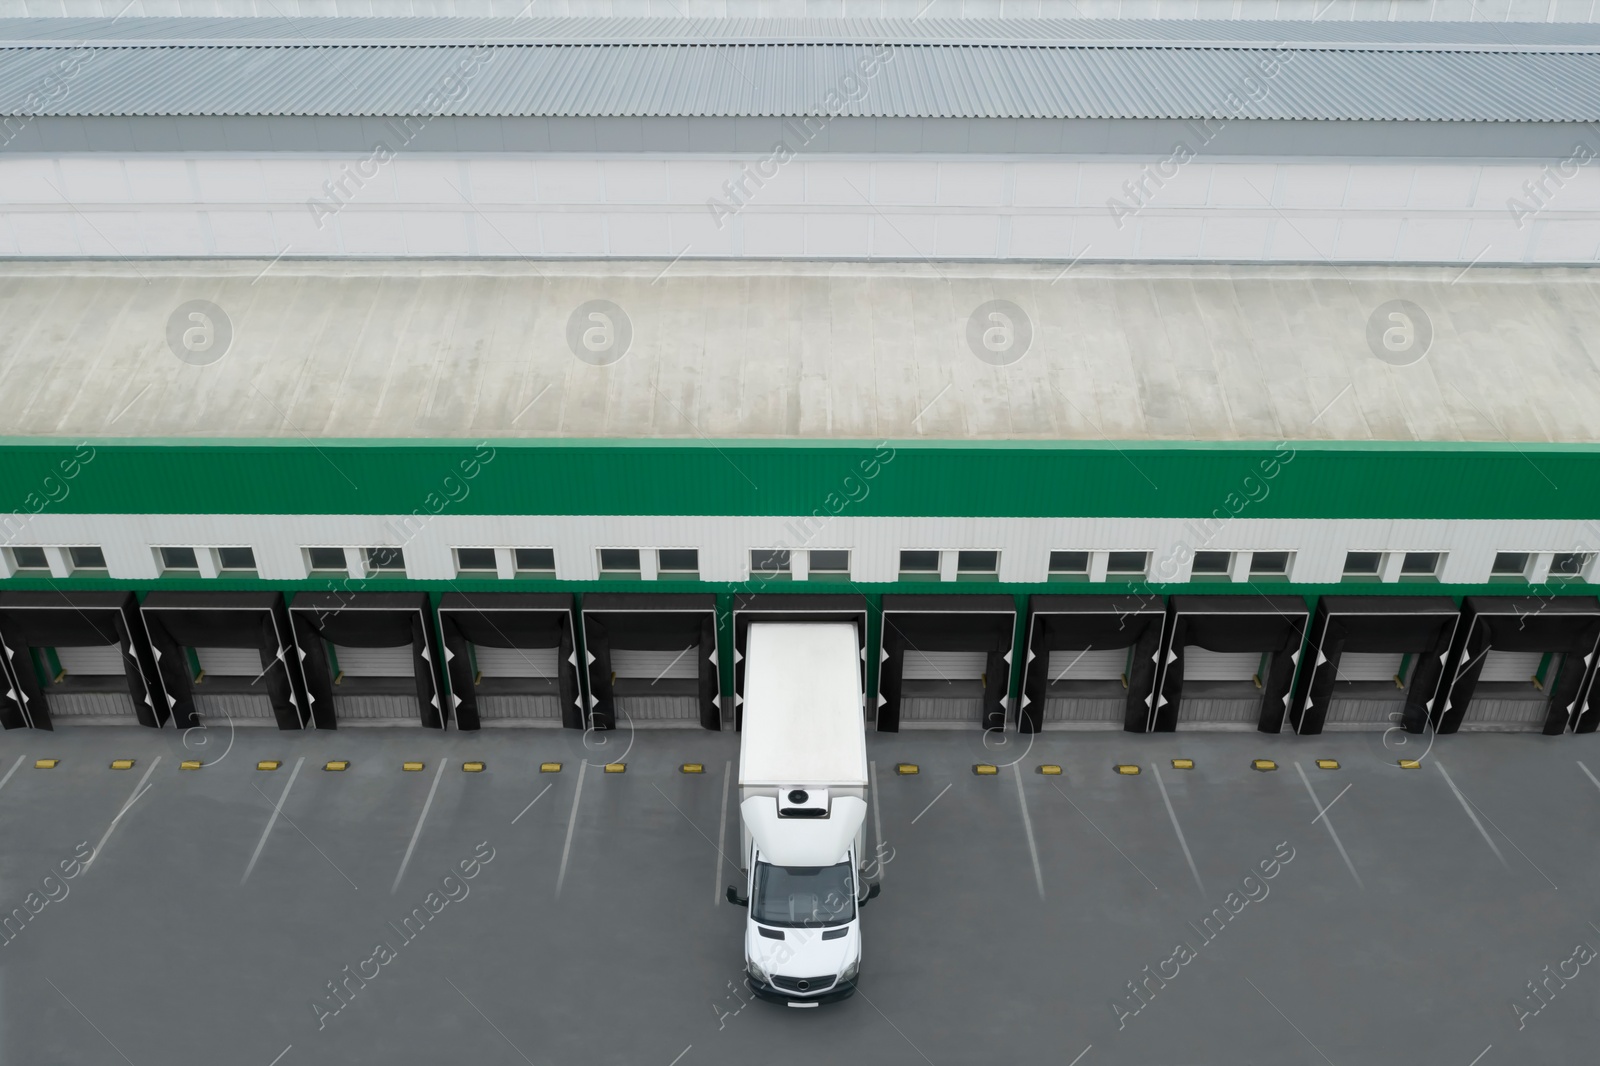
1399	926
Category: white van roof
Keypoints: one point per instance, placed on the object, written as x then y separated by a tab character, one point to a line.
803	722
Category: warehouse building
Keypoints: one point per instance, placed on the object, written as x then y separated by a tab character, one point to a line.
482	373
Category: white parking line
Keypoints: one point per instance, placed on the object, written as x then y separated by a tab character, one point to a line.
1328	822
877	816
18	763
722	836
1582	767
273	820
417	832
1081	1054
1481	1054
1027	825
1487	839
138	790
572	823
1179	830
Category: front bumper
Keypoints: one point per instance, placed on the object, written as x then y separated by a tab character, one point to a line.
763	990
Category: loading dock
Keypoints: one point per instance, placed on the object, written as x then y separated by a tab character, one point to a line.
802	607
1523	665
1375	663
226	655
652	659
76	657
1229	662
368	658
512	659
1091	662
945	661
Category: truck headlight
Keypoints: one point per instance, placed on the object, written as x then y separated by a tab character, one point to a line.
756	971
850	971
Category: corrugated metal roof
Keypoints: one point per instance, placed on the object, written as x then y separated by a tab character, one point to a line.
1035	32
798	350
1534	73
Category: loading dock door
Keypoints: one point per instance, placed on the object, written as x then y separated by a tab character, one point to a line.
512	659
1203	665
1087	688
1366	696
369	658
1230	662
944	687
373	685
652	659
657	685
1221	689
90	685
226	686
1371	666
1512	667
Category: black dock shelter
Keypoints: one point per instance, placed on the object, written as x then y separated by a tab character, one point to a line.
945	660
512	658
226	654
652	659
1524	662
1375	663
369	658
1091	662
751	607
76	656
1229	661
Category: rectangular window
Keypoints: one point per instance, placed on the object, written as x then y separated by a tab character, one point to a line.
977	566
535	560
919	563
87	558
475	561
1212	564
178	559
385	560
1569	566
29	559
1269	564
619	562
1069	566
829	563
1363	564
1420	565
1509	564
769	563
679	562
236	558
325	560
1126	564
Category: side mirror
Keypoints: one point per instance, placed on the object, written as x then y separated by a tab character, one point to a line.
736	899
872	894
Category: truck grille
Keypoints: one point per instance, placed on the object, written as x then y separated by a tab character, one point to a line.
804	984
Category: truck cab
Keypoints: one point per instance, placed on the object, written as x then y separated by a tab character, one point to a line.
803	937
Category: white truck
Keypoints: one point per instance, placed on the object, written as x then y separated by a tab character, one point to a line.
803	804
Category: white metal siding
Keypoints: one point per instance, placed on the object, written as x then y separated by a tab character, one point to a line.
90	662
515	662
230	662
1095	664
1511	665
656	665
1202	665
374	662
1369	665
944	665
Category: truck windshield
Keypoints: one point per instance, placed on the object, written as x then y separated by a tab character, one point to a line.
796	896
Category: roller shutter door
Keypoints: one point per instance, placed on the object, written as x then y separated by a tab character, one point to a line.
520	662
98	661
374	662
230	662
655	665
1370	665
944	665
1518	666
1202	665
1095	664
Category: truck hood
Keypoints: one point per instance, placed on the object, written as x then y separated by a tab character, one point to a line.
803	841
803	952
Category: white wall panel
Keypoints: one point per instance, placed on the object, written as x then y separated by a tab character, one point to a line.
620	206
725	542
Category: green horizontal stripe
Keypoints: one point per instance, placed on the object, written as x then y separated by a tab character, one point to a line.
764	478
